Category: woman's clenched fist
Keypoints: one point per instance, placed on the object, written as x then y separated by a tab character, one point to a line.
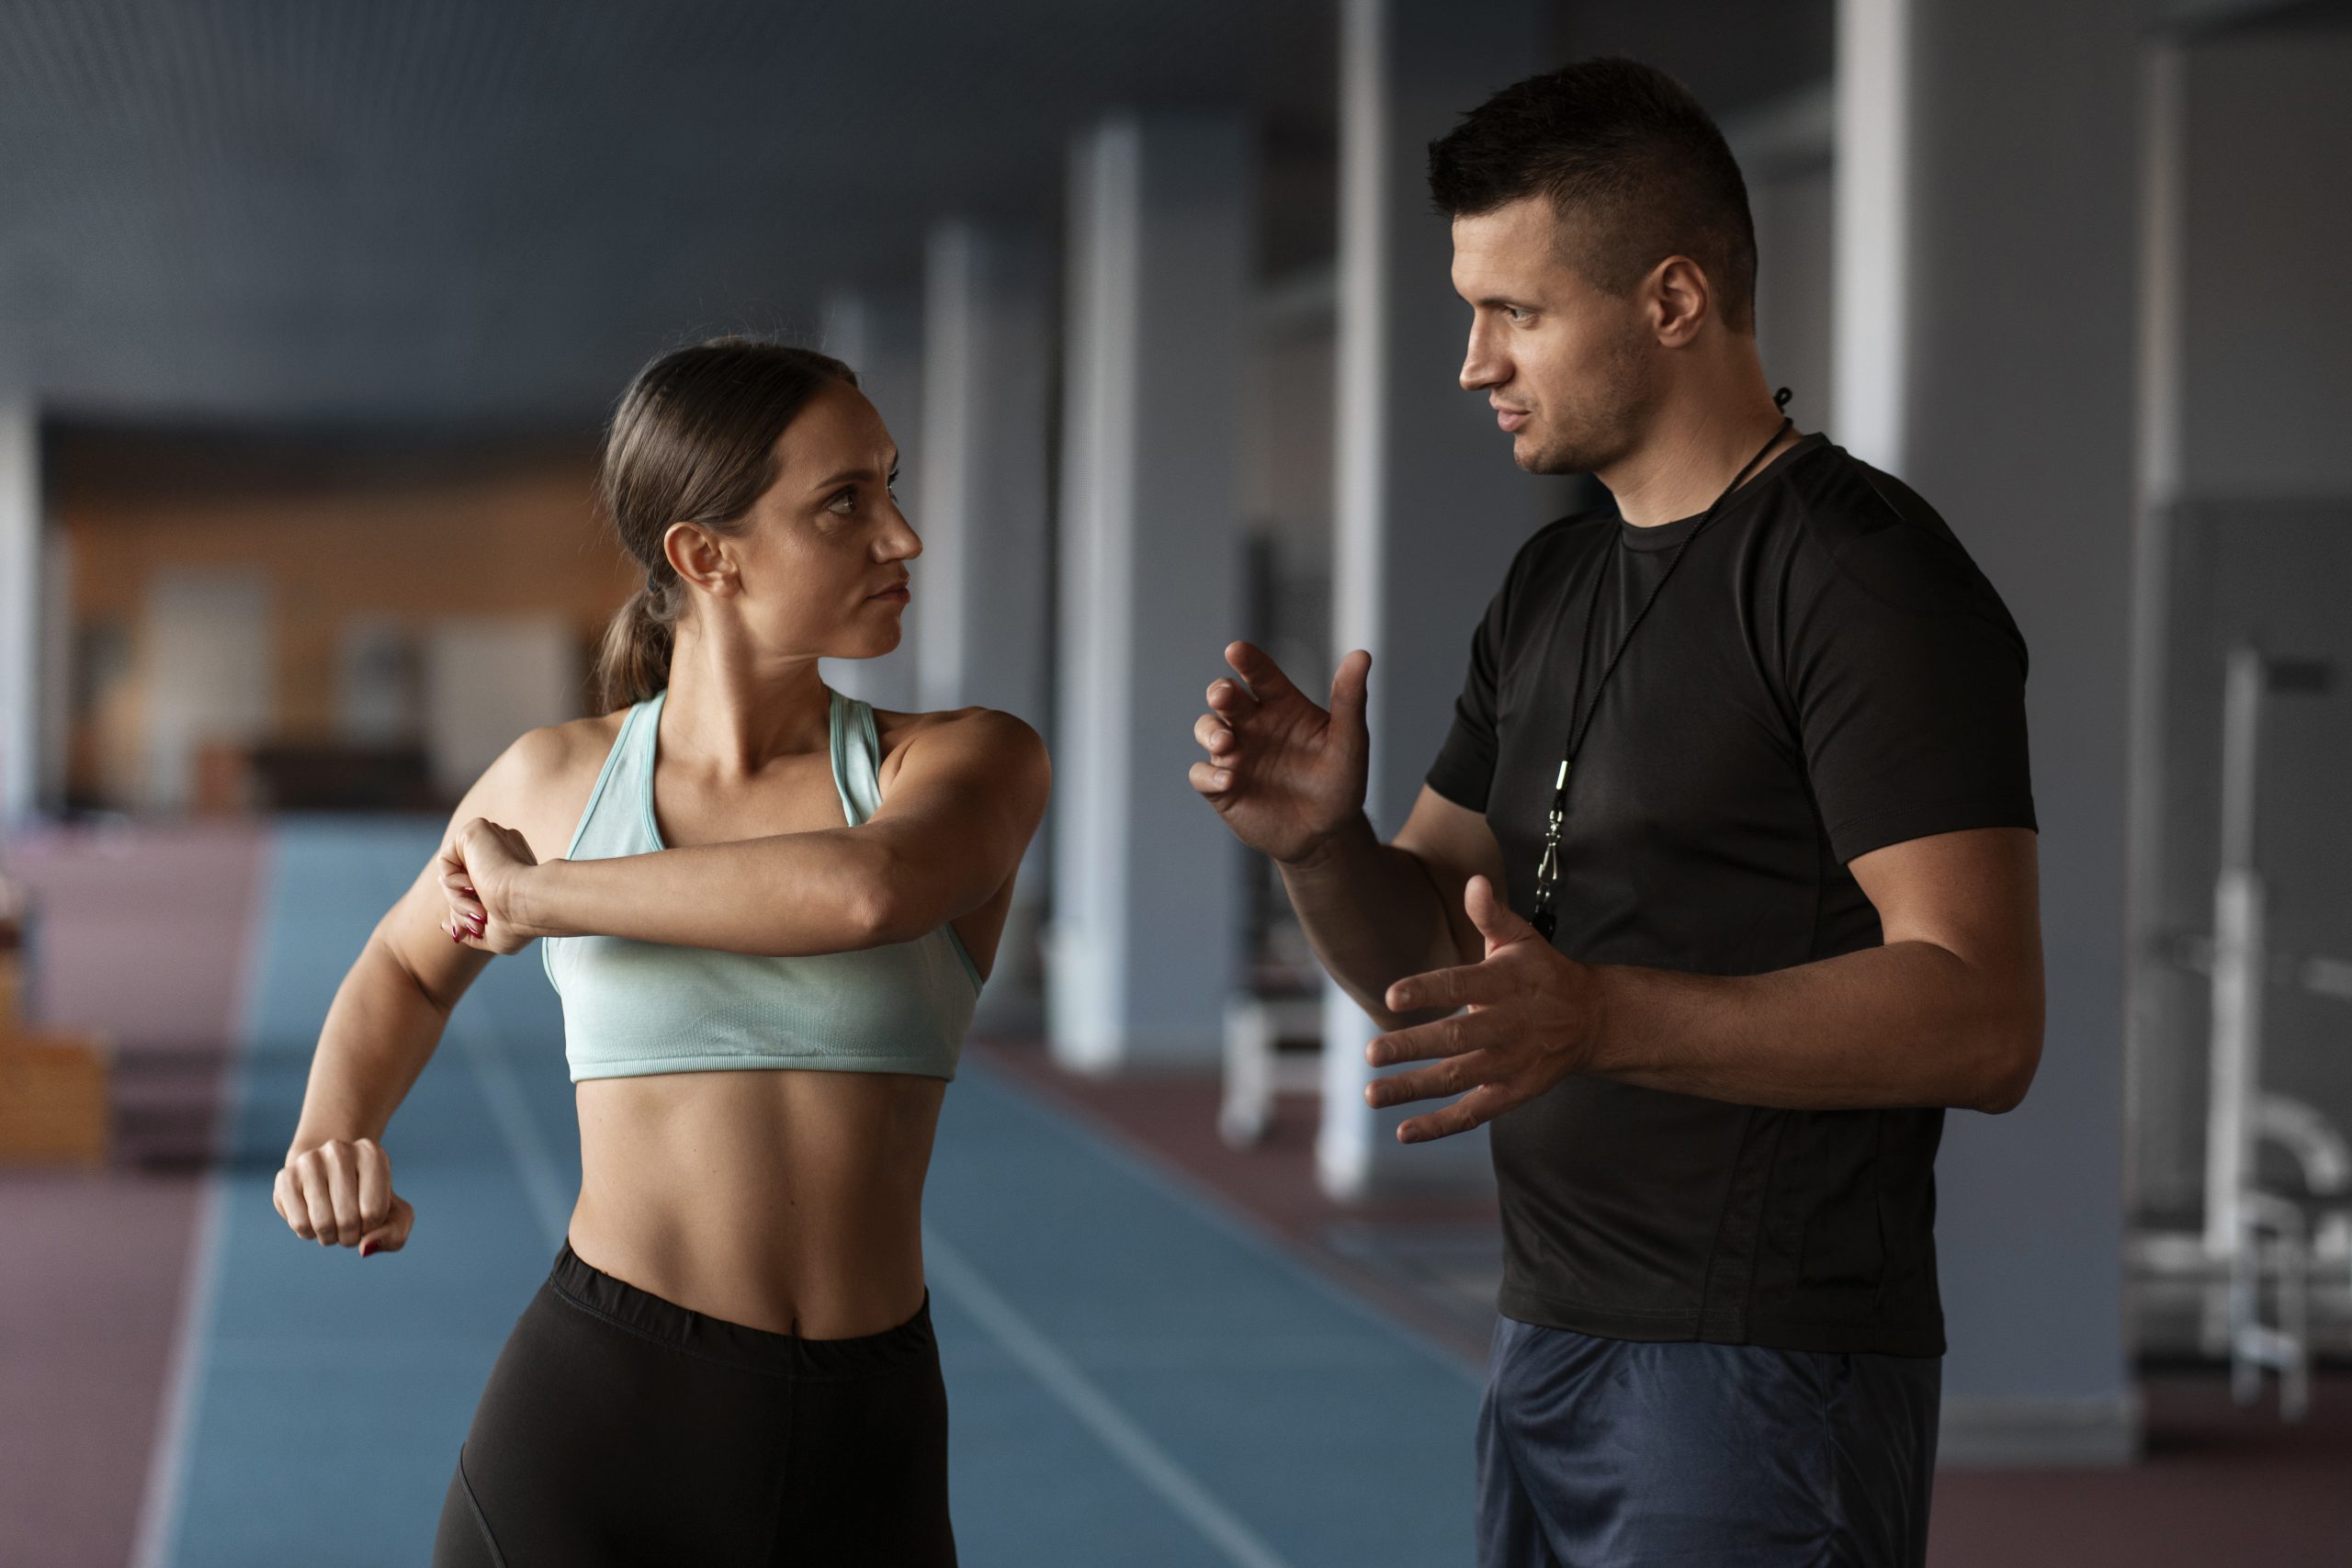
483	867
339	1193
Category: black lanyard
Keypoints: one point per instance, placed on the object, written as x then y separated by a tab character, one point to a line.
1547	870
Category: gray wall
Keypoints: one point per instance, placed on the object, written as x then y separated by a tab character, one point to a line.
1787	148
1287	470
2267	360
1145	913
2252	529
2016	423
1791	210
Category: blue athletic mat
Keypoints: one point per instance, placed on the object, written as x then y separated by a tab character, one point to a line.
1135	1378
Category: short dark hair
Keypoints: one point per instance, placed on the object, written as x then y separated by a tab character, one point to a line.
1625	151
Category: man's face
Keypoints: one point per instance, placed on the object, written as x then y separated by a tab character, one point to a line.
1566	367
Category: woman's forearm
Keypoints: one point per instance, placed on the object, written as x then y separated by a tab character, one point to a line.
789	895
380	1033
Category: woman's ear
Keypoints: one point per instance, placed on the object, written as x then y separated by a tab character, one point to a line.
699	557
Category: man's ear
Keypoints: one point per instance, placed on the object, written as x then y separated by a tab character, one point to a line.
699	557
1679	301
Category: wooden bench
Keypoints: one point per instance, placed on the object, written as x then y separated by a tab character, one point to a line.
54	1103
53	1100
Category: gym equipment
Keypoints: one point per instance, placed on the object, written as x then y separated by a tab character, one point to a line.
2250	1234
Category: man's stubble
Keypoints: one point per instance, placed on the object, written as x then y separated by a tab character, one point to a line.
1594	425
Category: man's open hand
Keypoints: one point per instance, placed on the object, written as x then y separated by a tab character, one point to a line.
1533	1016
1285	773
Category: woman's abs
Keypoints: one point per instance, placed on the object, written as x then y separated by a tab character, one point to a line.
788	1200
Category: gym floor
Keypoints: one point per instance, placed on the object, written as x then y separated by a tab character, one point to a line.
1158	1351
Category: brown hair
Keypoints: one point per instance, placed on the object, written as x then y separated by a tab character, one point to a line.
693	440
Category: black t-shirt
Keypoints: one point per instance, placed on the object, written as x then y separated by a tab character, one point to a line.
1827	674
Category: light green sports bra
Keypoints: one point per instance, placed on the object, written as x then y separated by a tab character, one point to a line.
632	1007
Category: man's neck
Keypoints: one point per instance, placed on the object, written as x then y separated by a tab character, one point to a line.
1688	459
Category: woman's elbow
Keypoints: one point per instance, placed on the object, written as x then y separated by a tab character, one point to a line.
875	916
889	905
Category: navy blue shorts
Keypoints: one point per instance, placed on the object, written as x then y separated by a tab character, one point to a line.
1607	1453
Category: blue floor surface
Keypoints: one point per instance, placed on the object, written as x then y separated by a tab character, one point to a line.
1134	1379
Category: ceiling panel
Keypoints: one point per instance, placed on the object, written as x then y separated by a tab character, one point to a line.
298	208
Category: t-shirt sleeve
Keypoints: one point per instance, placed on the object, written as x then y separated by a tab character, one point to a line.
1908	676
1465	767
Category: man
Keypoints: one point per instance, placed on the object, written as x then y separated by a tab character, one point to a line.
1792	898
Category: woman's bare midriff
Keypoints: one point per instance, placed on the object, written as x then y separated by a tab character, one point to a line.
786	1200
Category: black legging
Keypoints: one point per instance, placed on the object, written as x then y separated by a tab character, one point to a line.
619	1428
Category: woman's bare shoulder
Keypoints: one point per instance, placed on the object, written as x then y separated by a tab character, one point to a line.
1001	736
539	785
976	726
548	757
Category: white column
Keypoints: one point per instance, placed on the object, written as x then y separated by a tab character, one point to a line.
22	574
2164	1027
2009	405
982	592
1871	192
1147	889
879	334
982	589
1429	506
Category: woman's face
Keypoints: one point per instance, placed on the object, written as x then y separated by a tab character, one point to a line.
820	568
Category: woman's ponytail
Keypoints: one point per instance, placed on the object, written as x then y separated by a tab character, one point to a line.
633	663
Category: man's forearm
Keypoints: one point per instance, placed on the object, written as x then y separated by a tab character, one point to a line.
1372	915
1907	1024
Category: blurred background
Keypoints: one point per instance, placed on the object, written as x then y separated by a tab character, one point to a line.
310	315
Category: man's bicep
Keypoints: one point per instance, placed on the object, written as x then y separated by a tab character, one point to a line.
1908	679
1453	844
1464	764
1975	893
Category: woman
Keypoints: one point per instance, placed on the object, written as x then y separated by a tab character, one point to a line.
773	916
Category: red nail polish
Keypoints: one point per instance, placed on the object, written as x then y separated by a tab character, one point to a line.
365	1247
